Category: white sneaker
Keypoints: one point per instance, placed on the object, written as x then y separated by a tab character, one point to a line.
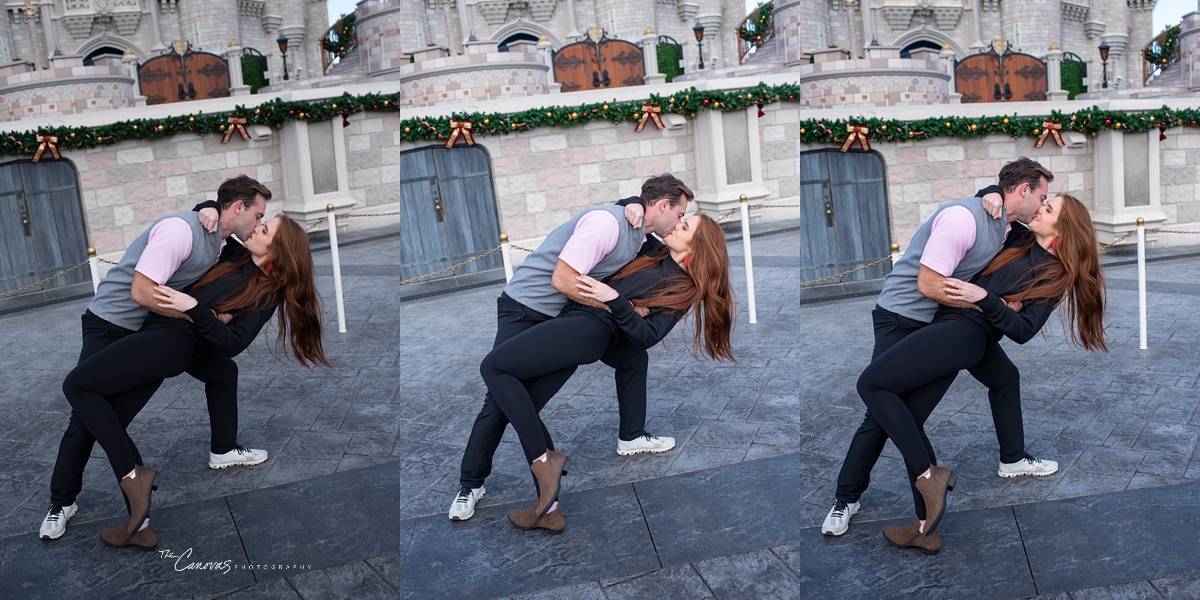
55	523
463	507
237	456
838	519
646	443
1028	466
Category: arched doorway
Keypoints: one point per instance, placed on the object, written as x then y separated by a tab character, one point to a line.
448	211
906	52
41	224
520	37
843	214
106	54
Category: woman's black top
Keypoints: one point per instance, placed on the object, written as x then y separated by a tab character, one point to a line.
230	340
996	317
621	317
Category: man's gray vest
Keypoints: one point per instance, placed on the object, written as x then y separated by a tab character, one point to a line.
113	302
531	285
900	294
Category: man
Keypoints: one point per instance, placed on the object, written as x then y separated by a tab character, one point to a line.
175	251
597	243
958	241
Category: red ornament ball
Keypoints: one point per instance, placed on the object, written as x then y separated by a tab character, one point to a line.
706	101
1108	121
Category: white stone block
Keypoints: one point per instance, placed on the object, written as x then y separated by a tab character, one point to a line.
773	134
546	143
589	174
645	148
176	186
265	174
1006	150
134	156
1074	182
944	153
123	216
629	187
678	163
620	152
521	184
209	162
358	143
604	137
1174	158
231	159
191	148
535	203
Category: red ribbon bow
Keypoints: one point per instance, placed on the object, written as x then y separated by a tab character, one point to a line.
462	128
46	142
1050	128
651	112
237	124
857	133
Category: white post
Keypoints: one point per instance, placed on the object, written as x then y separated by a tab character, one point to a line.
337	269
506	252
1141	237
94	263
650	58
1054	90
896	254
749	259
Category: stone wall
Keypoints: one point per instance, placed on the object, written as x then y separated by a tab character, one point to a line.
380	44
436	78
1189	50
874	81
1181	183
62	90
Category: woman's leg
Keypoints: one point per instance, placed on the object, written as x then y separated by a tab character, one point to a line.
99	388
922	359
538	358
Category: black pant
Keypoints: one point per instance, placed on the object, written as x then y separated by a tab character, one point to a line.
903	385
993	370
218	372
632	366
525	372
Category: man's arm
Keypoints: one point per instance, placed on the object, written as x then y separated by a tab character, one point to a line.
929	283
142	292
563	280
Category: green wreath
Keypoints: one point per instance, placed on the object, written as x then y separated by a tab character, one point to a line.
1168	51
343	38
761	28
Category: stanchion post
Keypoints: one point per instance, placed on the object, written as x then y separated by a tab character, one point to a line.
896	256
1141	237
337	268
506	252
749	260
94	263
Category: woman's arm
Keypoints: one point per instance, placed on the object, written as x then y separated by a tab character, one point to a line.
643	331
1020	326
230	339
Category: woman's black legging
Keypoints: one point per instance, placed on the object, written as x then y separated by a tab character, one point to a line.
901	387
523	373
95	384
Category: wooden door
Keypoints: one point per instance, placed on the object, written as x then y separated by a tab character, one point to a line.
41	223
574	65
206	75
621	63
1025	76
843	215
159	78
975	76
447	211
1000	77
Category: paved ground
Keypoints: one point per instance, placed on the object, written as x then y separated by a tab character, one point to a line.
733	512
330	433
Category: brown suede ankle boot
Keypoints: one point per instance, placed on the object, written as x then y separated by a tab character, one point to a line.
144	538
552	522
933	491
548	474
910	536
137	490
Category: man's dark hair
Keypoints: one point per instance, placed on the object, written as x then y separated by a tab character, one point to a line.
665	186
1023	170
242	188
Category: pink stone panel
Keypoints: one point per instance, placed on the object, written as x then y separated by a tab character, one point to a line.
149	211
953	189
910	155
651	166
101	160
92	179
108	240
165	168
558	178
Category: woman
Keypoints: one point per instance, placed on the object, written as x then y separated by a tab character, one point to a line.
690	270
276	269
1015	295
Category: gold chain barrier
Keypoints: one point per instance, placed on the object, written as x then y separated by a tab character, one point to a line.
50	278
450	268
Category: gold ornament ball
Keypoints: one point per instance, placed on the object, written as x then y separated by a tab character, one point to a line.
72	134
573	115
407	129
279	126
514	125
910	134
1152	118
605	107
222	128
191	119
549	114
135	127
1093	134
947	124
257	111
1072	117
883	127
335	107
160	127
1006	120
973	127
637	115
1037	131
801	131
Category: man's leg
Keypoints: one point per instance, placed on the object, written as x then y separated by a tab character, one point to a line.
1003	380
219	374
632	366
512	318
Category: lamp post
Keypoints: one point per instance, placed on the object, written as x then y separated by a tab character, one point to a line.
282	41
699	31
1104	60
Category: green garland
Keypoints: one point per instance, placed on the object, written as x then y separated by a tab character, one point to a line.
762	28
1168	51
811	131
343	36
272	113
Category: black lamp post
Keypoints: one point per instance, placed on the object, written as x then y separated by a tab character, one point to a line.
699	31
1104	60
282	41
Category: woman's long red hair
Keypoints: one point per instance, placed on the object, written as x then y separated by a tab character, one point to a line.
290	282
706	283
1075	273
